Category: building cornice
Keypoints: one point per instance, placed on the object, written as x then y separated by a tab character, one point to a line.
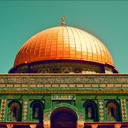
65	92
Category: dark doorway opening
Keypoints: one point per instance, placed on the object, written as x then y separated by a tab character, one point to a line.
63	118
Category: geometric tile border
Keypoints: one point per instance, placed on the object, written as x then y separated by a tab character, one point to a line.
123	105
101	110
3	105
25	109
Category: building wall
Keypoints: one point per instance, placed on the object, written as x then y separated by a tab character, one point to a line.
103	95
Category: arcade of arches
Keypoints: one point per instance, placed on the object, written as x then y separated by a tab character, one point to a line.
64	117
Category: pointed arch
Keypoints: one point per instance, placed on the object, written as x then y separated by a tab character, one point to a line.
63	117
90	111
112	110
15	110
37	108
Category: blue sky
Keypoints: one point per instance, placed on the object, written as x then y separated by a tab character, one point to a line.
107	20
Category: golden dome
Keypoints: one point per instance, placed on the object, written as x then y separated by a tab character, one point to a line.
63	43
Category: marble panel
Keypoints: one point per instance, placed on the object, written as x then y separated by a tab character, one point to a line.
110	85
87	85
63	85
9	85
2	85
125	85
17	85
24	85
40	85
55	85
80	85
72	85
102	85
47	85
32	85
118	85
95	85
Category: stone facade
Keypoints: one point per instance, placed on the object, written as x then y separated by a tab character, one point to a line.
80	93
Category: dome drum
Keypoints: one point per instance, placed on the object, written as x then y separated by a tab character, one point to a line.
63	66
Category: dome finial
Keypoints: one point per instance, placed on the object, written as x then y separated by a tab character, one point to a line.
63	17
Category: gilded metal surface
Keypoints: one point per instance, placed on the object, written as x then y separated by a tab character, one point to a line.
63	43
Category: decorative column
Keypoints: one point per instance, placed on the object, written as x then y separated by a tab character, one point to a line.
101	110
123	108
94	125
3	106
47	124
80	124
32	125
9	125
46	121
117	125
25	109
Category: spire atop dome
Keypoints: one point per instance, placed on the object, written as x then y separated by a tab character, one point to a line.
63	21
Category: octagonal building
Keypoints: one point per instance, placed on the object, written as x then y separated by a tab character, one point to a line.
63	77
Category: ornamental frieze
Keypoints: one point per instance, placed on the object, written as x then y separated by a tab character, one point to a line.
69	79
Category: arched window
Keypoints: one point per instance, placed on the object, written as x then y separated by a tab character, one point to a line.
15	111
37	110
112	111
90	111
66	69
77	70
56	70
